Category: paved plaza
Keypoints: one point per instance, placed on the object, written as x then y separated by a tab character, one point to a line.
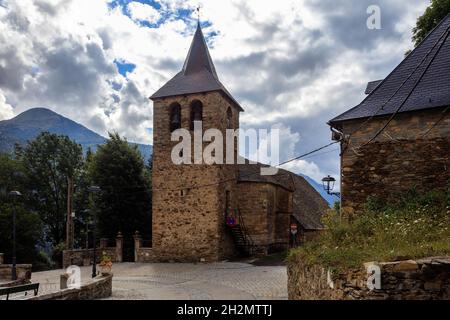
150	281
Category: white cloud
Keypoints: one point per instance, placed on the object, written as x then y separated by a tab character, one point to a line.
143	12
295	63
6	110
307	168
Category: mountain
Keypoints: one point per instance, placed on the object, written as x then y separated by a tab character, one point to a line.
29	124
319	188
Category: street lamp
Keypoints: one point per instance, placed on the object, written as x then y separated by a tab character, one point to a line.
15	195
94	190
86	224
328	185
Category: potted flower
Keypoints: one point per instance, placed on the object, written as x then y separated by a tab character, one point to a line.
105	264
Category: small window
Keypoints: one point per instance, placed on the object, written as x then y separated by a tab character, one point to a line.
196	112
175	117
229	119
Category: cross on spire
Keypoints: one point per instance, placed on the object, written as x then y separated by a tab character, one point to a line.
198	14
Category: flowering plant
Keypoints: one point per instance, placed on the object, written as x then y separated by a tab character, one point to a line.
106	260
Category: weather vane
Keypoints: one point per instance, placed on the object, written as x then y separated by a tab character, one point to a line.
198	13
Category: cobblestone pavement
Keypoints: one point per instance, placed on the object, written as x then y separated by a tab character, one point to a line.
223	280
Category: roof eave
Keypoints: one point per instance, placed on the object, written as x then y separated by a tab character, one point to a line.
155	96
337	123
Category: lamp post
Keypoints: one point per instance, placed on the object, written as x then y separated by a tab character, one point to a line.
94	190
328	185
15	195
86	224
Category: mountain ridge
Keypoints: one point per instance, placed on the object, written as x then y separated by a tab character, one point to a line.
319	188
30	123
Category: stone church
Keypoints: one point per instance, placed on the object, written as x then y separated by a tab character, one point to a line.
191	202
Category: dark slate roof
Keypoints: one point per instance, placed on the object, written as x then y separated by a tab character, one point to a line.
198	74
309	206
251	173
432	91
372	85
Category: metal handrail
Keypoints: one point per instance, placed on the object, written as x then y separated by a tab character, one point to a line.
248	238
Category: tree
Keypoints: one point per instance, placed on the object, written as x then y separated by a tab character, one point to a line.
434	14
28	223
125	201
48	162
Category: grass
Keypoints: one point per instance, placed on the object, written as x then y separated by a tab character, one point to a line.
414	227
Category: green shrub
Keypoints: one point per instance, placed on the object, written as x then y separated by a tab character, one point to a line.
414	227
42	262
57	254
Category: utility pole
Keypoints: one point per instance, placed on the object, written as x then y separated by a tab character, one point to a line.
94	190
15	195
69	225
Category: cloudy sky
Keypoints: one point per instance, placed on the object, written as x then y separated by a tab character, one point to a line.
293	64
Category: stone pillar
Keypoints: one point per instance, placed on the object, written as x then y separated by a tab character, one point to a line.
119	247
137	245
63	281
103	243
1	258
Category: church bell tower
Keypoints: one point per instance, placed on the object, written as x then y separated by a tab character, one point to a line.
190	200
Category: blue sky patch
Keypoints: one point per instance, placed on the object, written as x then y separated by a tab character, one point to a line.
124	67
183	14
124	3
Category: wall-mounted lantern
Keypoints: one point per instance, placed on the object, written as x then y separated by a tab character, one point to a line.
328	185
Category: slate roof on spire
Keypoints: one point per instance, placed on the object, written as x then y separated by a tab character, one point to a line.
432	90
198	74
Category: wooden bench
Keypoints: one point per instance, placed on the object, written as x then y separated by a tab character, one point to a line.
22	288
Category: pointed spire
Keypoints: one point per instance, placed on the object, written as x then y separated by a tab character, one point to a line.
198	73
198	58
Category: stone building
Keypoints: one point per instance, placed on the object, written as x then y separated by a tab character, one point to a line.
398	138
191	201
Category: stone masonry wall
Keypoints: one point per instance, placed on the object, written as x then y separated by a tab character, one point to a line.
400	159
284	210
83	257
98	288
255	199
266	210
23	271
188	223
422	279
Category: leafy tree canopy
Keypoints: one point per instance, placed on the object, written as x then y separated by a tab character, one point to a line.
48	162
434	14
28	223
125	201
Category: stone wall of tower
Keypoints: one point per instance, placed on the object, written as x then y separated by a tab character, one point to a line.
188	222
